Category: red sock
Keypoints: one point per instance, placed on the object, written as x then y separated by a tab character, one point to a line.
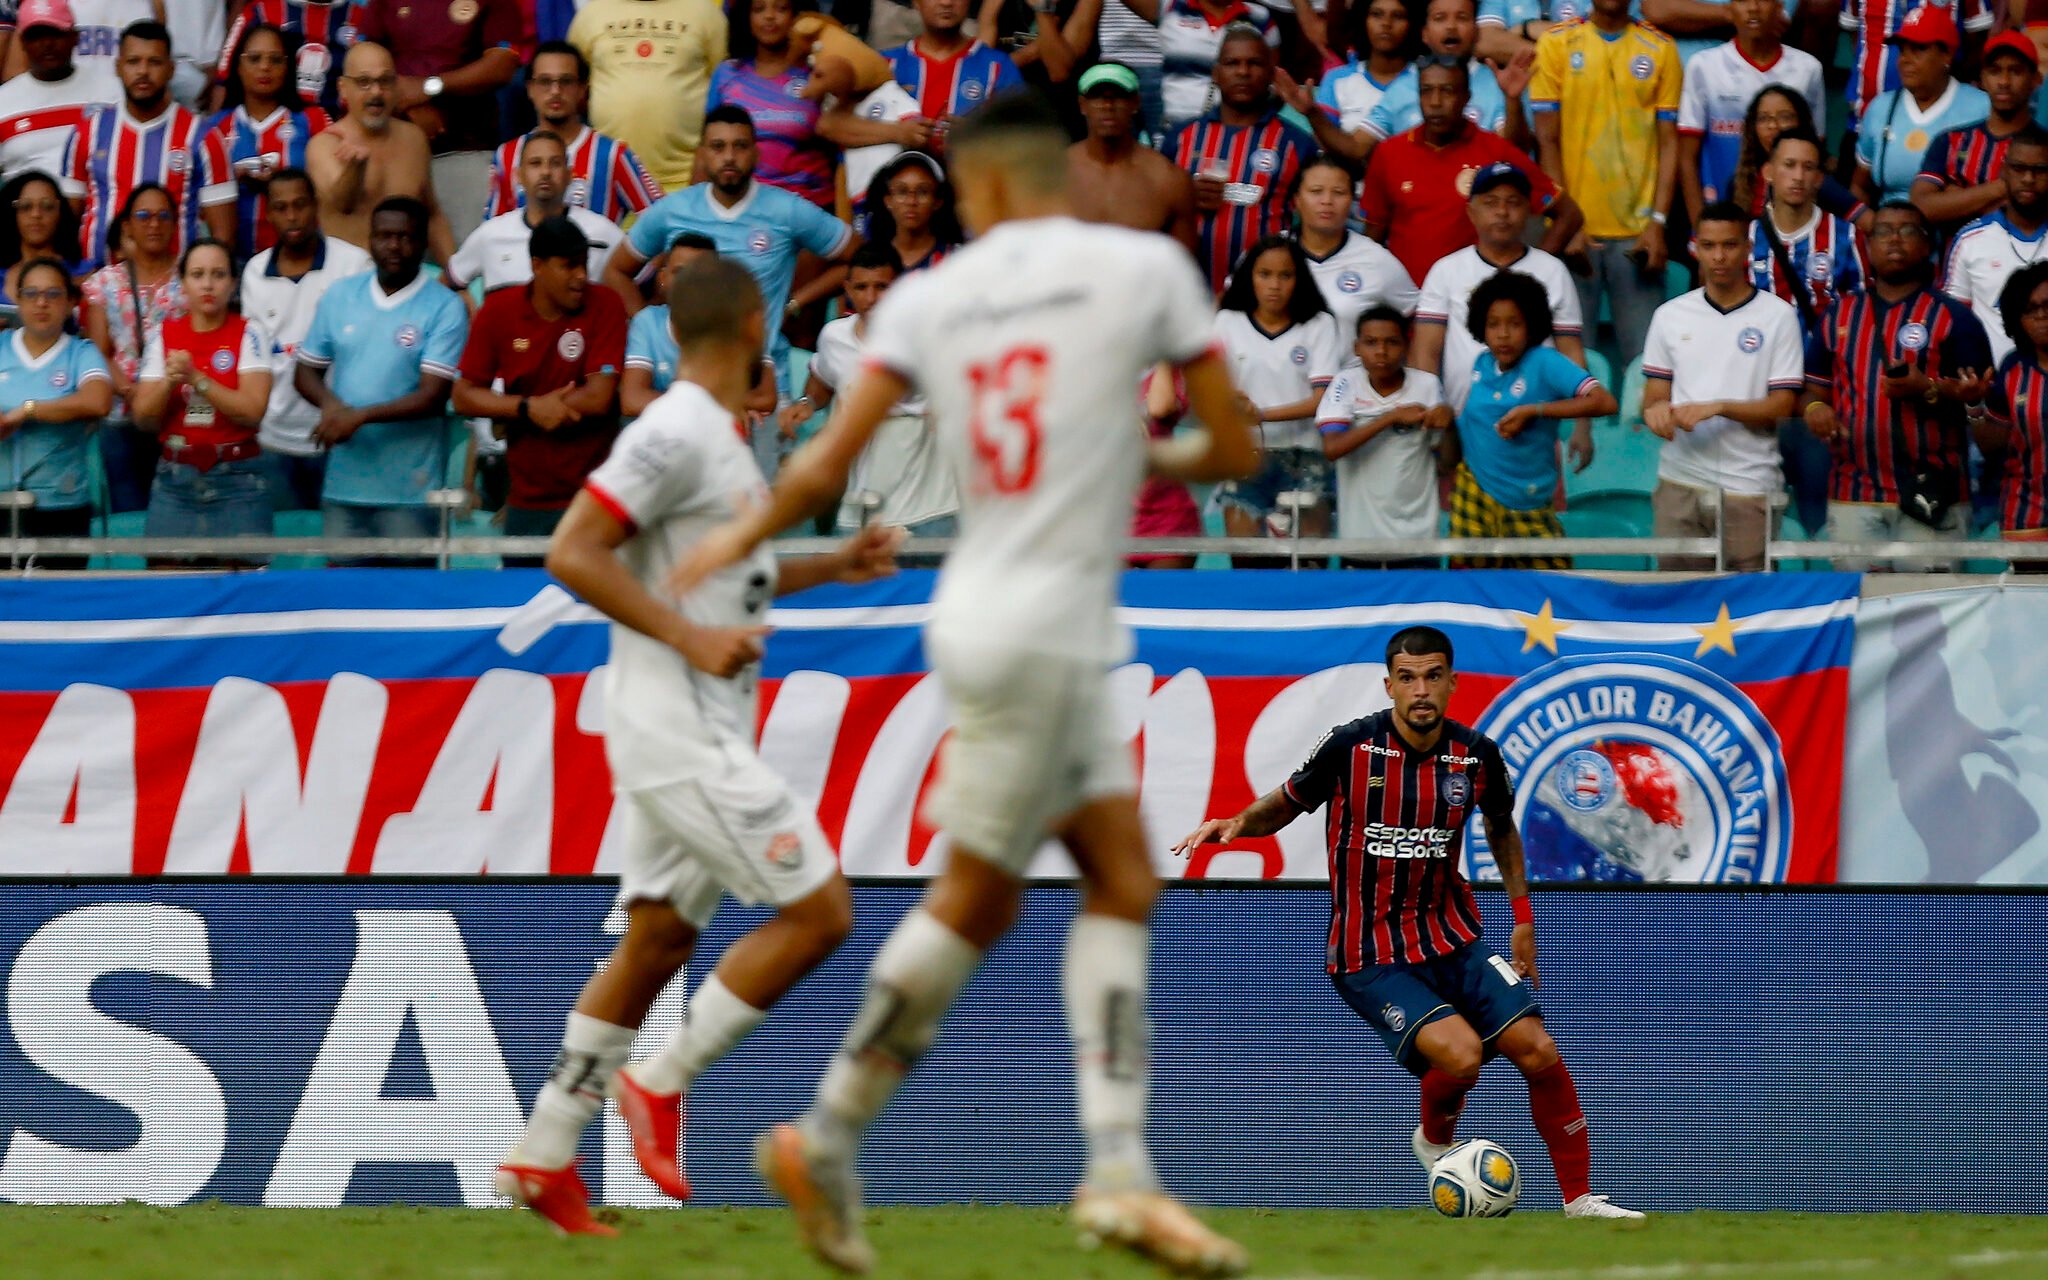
1554	1105
1443	1101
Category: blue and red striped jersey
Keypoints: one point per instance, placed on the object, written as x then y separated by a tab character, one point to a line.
1396	832
257	149
1827	254
113	153
1858	338
2019	398
316	36
1260	162
1966	157
952	86
605	177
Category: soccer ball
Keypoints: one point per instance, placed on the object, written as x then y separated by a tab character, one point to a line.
1476	1179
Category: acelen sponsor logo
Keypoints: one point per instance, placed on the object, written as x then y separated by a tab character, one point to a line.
506	773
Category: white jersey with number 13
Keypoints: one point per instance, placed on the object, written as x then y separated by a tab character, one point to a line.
1028	346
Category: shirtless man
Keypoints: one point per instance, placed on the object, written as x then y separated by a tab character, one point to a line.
1112	177
368	155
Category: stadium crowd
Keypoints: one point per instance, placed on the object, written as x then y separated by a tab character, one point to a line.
257	252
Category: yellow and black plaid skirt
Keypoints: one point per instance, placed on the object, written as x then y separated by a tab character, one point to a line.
1474	514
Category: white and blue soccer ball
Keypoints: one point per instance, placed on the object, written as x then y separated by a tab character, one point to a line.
1476	1179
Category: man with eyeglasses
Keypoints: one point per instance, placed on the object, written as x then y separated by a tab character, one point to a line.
1960	174
369	156
148	138
605	176
451	59
1890	373
312	31
40	111
1991	250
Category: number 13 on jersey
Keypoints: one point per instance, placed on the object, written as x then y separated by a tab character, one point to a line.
1003	424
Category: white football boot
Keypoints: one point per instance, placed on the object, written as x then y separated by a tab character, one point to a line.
1592	1206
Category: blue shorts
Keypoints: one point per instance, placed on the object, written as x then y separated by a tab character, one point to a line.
1281	470
1472	982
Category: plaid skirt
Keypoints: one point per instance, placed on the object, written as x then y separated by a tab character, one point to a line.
1474	514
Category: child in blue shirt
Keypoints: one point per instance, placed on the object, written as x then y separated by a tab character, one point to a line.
1508	427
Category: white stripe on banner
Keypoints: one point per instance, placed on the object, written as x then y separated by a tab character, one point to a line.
307	621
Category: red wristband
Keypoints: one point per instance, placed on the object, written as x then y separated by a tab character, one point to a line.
1520	907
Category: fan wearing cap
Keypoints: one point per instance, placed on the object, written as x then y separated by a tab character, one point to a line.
1111	176
1874	68
1992	249
556	347
1419	181
1960	176
1900	124
40	111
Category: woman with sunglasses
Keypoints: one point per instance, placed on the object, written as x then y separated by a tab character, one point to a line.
53	388
265	126
36	221
126	304
204	386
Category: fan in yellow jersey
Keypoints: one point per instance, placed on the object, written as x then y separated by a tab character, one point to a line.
1605	99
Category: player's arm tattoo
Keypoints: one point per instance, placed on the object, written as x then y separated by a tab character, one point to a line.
1267	814
1506	843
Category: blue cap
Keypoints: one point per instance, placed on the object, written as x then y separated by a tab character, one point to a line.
1499	174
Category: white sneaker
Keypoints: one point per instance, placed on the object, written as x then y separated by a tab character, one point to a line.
1592	1206
1428	1152
1158	1226
823	1191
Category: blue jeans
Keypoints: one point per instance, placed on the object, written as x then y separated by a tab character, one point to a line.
130	458
1152	104
230	500
342	520
295	479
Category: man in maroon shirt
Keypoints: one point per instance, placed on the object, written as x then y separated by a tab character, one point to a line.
558	346
1404	931
453	56
1416	187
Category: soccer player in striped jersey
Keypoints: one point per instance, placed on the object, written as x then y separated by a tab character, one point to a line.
1243	155
1886	371
2016	425
317	34
605	176
1404	946
148	138
1959	175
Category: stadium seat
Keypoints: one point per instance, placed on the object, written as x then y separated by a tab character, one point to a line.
1609	515
1624	455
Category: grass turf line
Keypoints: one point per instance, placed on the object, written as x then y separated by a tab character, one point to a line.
217	1242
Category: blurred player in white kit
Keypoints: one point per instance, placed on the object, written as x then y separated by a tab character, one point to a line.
702	814
1028	345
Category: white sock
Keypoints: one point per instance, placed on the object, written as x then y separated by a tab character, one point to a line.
577	1084
911	984
718	1020
1108	962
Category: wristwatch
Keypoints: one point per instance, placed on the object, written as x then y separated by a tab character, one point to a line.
1048	7
432	86
1933	393
28	411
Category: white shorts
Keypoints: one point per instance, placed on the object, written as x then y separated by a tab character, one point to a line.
1033	740
739	830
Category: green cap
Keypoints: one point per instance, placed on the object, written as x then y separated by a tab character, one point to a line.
1114	75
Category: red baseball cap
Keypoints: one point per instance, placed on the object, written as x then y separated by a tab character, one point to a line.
2014	43
1928	25
45	13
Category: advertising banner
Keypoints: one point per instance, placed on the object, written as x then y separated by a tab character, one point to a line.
294	1044
362	722
1947	770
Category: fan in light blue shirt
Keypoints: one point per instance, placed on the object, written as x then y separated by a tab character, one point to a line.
1521	471
1896	132
1400	107
48	459
651	345
376	347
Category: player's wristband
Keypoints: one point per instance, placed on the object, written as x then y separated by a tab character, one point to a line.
1520	908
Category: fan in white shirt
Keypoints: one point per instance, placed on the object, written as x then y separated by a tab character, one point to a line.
2012	237
1027	344
43	106
497	253
1443	344
1355	273
1723	365
1381	423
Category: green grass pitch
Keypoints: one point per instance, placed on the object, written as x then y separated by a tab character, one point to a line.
212	1242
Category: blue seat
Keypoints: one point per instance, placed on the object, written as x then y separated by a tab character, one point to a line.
1624	455
1609	515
